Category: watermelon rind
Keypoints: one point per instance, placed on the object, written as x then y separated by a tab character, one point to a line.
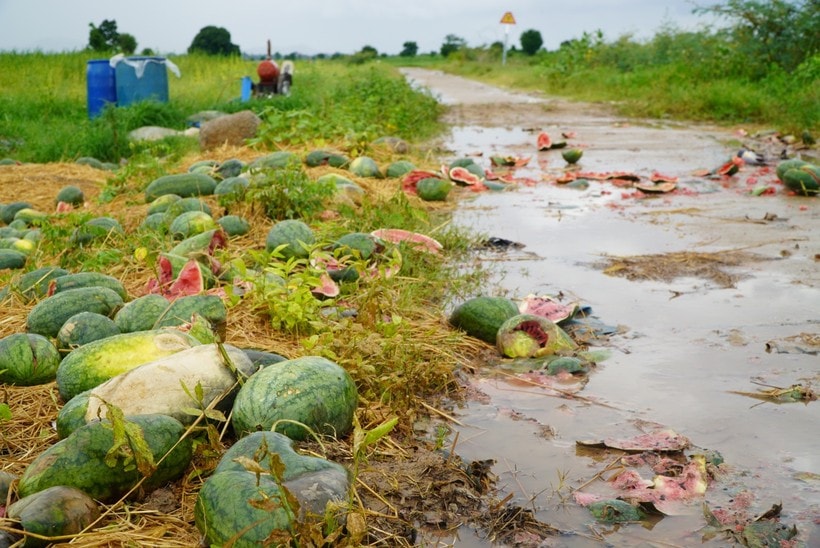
80	460
48	316
96	362
310	390
27	359
481	316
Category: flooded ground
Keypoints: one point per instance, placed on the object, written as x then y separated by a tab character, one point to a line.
682	345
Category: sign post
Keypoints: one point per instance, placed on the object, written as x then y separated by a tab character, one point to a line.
507	20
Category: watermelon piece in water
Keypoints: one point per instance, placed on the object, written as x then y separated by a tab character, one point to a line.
419	241
547	307
544	141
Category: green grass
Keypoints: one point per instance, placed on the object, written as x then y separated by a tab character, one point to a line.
681	76
44	113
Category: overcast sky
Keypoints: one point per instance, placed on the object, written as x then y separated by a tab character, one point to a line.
330	26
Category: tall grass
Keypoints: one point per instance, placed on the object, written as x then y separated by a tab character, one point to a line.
44	114
700	76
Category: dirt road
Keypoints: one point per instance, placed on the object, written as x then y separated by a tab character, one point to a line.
711	289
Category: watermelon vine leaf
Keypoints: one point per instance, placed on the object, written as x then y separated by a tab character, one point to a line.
129	444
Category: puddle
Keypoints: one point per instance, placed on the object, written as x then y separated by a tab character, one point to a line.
685	344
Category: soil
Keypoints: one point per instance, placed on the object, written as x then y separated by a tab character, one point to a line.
707	294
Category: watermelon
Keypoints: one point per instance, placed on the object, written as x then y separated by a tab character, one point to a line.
166	386
48	316
161	203
12	259
786	165
181	184
140	314
359	244
230	168
81	460
434	189
225	511
70	194
548	308
191	223
183	205
30	216
528	336
204	243
311	390
544	141
399	168
263	358
572	155
8	211
803	180
364	166
326	158
234	225
231	189
295	235
35	283
462	176
99	228
182	310
414	239
155	222
96	362
274	160
54	512
482	316
85	327
27	359
203	166
87	279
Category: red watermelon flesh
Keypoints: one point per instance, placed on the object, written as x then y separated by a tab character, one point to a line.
544	141
189	281
397	235
547	307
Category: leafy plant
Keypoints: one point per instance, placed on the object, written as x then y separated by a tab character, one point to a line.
289	193
291	305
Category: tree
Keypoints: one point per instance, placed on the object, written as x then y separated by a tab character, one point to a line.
103	38
531	41
410	49
127	43
213	41
452	43
772	32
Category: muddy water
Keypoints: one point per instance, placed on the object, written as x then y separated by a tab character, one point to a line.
683	345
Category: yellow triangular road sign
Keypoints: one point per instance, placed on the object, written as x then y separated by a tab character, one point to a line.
508	19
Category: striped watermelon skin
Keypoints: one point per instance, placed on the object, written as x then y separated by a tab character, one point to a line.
140	314
88	279
94	363
181	184
79	460
480	317
83	328
224	510
27	359
310	390
48	316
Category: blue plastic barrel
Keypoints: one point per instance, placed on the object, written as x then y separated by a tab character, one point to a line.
247	88
101	85
141	79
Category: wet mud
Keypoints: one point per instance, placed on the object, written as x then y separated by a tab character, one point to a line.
683	344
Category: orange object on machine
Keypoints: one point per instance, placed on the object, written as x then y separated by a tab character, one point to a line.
267	70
